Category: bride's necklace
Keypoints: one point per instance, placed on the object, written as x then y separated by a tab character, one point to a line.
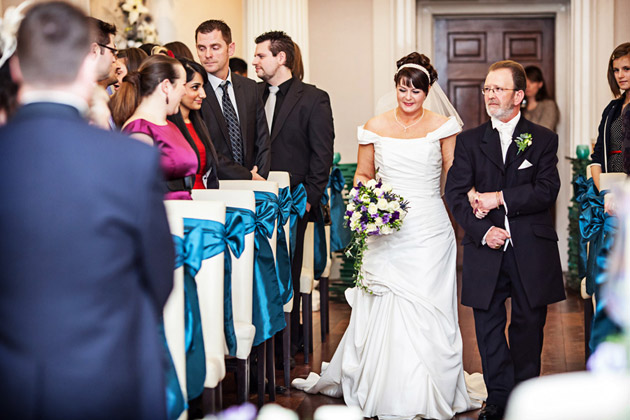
405	127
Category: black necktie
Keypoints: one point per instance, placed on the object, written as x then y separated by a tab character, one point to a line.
234	128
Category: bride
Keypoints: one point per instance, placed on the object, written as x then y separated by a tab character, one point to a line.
401	356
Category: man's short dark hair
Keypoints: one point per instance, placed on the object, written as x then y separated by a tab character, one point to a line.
52	43
238	65
215	25
103	31
279	41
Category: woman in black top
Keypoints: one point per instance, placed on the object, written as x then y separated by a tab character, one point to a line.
608	153
190	123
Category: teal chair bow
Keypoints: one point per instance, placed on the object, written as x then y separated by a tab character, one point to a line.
298	210
340	235
283	260
268	312
175	403
210	238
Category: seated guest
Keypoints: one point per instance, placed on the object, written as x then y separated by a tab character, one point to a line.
143	102
540	107
179	50
190	123
87	256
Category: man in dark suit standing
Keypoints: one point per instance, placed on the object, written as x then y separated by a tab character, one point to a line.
302	134
510	246
87	256
233	109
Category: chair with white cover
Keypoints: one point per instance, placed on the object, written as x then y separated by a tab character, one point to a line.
209	281
284	181
307	282
242	285
173	315
265	351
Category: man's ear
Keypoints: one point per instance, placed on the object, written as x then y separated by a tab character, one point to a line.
16	71
231	49
95	49
518	97
282	58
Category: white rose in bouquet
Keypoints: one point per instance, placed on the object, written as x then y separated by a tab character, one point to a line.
393	206
378	222
386	188
371	183
381	204
372	208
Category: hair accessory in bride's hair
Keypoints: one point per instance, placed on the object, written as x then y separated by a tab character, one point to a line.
415	66
9	26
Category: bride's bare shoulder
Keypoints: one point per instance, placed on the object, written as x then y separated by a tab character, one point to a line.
435	120
380	123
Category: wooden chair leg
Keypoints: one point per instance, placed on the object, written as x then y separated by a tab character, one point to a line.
307	321
271	368
209	401
260	369
242	380
219	396
323	306
286	350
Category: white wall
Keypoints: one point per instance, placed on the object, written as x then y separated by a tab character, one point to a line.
340	38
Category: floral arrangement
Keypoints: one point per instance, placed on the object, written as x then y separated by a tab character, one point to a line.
138	24
523	142
372	210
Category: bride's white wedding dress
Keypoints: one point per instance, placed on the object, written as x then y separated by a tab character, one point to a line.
401	355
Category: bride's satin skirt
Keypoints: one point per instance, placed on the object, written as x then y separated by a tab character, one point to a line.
401	355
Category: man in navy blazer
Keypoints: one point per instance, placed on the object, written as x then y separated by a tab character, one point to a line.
510	246
87	258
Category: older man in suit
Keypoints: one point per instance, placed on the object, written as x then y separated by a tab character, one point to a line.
302	134
87	257
232	109
510	247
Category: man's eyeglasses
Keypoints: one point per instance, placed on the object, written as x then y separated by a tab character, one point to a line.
496	90
113	50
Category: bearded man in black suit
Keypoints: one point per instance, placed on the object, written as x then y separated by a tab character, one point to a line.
510	246
302	135
232	110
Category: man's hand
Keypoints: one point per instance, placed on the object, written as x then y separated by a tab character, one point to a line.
308	207
255	175
496	237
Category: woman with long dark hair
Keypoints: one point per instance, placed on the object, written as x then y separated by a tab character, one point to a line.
190	123
540	107
143	102
608	151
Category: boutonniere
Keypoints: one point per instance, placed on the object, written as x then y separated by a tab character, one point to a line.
523	142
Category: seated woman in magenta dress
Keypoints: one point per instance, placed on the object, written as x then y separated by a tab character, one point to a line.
157	89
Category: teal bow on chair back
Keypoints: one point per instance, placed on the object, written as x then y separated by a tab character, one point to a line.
268	313
283	260
210	238
340	235
298	210
175	403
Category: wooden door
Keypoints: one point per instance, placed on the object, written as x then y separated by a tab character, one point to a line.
465	48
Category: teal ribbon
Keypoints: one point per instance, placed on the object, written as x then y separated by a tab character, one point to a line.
283	260
298	210
268	312
214	238
596	228
340	234
175	403
320	247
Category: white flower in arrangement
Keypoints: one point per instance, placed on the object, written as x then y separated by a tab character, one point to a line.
134	9
147	31
382	204
386	188
371	227
386	230
371	183
378	221
372	209
353	193
350	207
365	198
355	216
378	192
393	206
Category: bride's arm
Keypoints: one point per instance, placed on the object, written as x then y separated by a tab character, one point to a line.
365	164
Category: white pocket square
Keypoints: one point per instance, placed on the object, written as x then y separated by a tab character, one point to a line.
526	164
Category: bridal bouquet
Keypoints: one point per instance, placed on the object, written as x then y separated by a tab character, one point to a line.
372	210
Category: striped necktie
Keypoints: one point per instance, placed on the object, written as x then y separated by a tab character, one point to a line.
234	128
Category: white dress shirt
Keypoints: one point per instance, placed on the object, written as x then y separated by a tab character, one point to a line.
215	82
506	135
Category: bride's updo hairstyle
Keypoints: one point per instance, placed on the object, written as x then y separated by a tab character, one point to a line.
412	77
140	84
